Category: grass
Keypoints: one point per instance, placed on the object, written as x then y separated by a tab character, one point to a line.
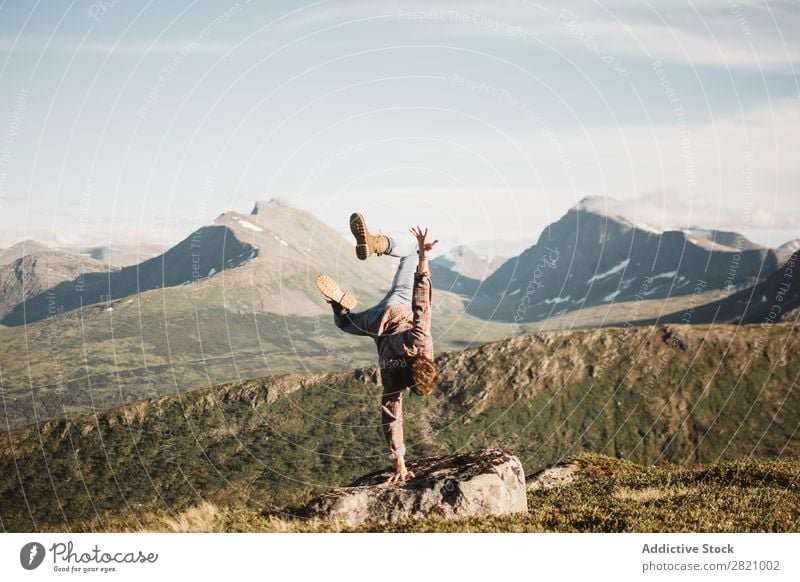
610	495
273	442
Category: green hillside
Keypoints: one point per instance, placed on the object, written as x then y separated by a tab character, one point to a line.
677	394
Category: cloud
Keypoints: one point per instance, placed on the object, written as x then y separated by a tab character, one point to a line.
720	33
164	47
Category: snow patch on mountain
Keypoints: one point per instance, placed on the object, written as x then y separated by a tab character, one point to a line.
615	269
250	226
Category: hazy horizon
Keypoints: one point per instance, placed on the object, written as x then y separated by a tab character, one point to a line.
489	247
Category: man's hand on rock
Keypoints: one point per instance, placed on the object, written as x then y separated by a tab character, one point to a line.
400	471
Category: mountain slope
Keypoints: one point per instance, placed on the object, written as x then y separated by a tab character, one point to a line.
281	246
723	238
464	261
777	298
206	251
123	255
37	272
21	249
461	271
682	394
791	246
591	257
256	316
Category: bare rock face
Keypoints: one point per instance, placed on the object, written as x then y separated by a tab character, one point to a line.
482	483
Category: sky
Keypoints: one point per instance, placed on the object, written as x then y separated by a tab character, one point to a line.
128	122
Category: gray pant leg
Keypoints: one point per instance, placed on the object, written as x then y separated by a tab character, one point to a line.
402	289
402	245
359	322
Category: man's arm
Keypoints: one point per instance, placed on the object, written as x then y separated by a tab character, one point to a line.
421	297
421	309
424	247
392	417
392	420
423	261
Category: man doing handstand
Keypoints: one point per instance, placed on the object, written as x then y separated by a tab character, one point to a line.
400	324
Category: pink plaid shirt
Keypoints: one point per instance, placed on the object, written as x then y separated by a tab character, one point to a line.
400	333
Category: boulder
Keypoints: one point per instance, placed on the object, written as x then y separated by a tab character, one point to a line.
557	476
482	483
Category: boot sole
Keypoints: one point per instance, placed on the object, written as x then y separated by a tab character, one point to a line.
331	290
358	226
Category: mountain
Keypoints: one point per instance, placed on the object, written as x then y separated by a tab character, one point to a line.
236	299
460	270
777	298
273	249
594	255
38	271
21	249
466	262
275	441
791	246
206	251
121	255
723	238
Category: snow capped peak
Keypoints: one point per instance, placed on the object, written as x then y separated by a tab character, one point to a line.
615	210
262	206
597	204
792	245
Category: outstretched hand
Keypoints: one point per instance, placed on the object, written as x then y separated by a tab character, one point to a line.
422	239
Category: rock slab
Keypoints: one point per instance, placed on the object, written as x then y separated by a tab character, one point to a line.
482	483
557	476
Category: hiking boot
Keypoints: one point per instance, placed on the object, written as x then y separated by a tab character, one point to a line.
366	242
333	294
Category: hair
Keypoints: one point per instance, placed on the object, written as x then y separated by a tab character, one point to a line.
423	375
